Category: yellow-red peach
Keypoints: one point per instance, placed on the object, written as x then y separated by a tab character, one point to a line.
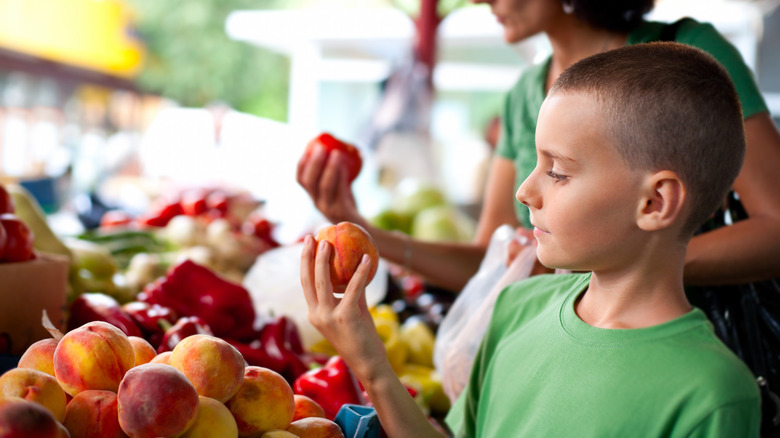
305	406
214	421
142	350
156	400
35	386
315	427
350	241
163	358
263	402
20	418
94	356
214	367
278	433
39	356
93	414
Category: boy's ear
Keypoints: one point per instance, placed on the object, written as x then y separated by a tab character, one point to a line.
663	201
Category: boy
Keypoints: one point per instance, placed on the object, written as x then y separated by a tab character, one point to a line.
636	147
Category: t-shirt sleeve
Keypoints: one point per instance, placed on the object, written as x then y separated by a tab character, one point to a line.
707	38
504	148
740	419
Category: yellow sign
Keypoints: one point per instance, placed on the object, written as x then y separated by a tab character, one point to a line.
91	34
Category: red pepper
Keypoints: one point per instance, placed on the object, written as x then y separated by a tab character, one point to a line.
185	326
152	319
194	290
96	306
277	345
161	213
331	385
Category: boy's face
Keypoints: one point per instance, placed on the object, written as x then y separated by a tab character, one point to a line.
582	196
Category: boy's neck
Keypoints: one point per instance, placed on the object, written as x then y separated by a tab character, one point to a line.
635	298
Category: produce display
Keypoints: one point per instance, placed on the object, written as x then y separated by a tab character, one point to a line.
162	339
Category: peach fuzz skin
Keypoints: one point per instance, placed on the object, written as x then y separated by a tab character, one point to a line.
162	358
263	402
350	242
214	420
156	400
315	427
35	386
214	367
93	414
306	407
39	356
142	350
94	356
20	418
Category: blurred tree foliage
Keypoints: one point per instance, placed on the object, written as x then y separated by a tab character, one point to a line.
191	60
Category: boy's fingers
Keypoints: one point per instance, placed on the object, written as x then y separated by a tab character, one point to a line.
355	293
307	272
322	275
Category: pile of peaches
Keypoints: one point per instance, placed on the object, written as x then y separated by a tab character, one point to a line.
95	381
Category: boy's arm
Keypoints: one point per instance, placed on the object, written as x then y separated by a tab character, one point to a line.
347	324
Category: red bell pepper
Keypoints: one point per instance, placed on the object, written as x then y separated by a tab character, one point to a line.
185	326
96	306
152	319
331	385
277	345
194	290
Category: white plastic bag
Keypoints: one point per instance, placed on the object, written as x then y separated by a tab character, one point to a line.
274	282
461	331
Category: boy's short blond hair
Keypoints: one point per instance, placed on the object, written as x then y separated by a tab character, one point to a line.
668	106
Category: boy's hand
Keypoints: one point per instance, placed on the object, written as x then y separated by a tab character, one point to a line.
345	322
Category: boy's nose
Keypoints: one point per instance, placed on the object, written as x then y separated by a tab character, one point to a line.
527	194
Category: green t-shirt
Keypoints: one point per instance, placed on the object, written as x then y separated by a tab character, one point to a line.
543	372
521	107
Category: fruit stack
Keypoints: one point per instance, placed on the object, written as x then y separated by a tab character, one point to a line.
95	381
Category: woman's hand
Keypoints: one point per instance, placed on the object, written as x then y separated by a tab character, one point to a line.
324	177
345	322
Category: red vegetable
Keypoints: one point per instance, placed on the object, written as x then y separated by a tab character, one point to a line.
185	326
6	201
97	306
194	290
331	143
331	385
152	319
277	345
18	245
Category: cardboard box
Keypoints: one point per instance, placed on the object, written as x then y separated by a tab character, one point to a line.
26	288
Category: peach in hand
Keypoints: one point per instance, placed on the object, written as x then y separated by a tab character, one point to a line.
315	427
214	420
35	386
214	367
156	400
93	414
94	356
350	242
263	402
39	356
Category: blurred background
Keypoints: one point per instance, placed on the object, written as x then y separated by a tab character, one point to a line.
109	102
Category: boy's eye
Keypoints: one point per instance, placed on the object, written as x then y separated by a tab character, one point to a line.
556	176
